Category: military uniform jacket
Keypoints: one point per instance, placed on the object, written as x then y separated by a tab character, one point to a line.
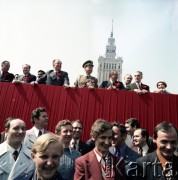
86	81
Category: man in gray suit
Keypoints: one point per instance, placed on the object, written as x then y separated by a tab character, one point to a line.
56	76
15	158
39	120
138	86
27	77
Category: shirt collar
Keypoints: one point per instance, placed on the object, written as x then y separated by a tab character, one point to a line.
144	149
99	156
11	149
36	131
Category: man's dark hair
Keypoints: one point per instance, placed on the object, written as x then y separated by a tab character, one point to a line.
4	62
134	123
7	122
121	127
36	113
41	71
164	126
144	134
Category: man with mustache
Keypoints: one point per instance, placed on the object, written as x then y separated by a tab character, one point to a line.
64	131
15	158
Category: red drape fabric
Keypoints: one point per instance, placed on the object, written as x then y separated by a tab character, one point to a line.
18	100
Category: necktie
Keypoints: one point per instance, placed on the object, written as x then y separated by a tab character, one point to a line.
39	133
139	86
140	151
117	152
74	145
107	169
15	155
168	171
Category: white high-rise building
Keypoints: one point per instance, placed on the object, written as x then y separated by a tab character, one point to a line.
109	61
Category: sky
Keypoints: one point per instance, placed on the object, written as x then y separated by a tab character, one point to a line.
146	34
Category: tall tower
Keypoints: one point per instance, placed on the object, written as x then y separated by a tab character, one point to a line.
109	61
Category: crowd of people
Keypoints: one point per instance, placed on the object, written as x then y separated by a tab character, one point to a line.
114	151
60	78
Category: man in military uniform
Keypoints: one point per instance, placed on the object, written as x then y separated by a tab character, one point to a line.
87	80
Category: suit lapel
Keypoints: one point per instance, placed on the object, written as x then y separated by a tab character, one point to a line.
5	165
93	166
109	83
135	86
22	164
154	159
29	140
112	150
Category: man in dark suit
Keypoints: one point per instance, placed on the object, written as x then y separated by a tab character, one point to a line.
119	147
162	163
76	142
40	74
99	163
27	77
5	76
39	120
138	86
141	142
55	77
113	83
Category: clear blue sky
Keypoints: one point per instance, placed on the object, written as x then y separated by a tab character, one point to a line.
146	32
